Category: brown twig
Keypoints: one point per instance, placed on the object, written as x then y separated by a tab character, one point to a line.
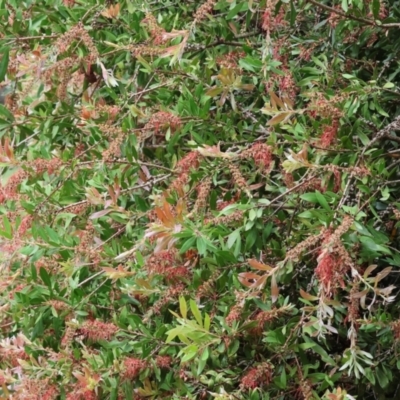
353	17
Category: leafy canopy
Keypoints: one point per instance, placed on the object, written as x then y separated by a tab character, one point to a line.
199	200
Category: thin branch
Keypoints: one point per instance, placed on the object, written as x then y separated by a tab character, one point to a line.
353	17
343	14
26	38
149	183
391	137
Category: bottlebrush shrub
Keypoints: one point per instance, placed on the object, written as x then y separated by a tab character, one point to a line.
199	200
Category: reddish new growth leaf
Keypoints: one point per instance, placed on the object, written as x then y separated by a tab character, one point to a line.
32	389
13	349
85	387
97	330
133	367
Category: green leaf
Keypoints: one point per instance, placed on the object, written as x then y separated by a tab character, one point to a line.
293	13
183	307
382	378
190	353
8	231
201	246
5	51
376	5
207	322
310	197
233	347
196	312
45	277
200	366
241	6
322	200
233	237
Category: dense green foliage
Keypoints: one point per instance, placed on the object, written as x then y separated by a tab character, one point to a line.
199	200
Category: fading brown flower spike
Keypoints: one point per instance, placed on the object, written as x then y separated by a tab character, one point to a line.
312	240
226	219
238	177
395	326
157	33
202	195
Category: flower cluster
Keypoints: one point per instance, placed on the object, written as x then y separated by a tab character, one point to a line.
325	108
114	149
183	167
163	361
32	389
168	296
13	349
86	239
161	121
270	22
50	166
230	60
161	262
334	260
261	154
97	330
257	376
78	32
10	190
190	161
312	240
132	367
329	134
